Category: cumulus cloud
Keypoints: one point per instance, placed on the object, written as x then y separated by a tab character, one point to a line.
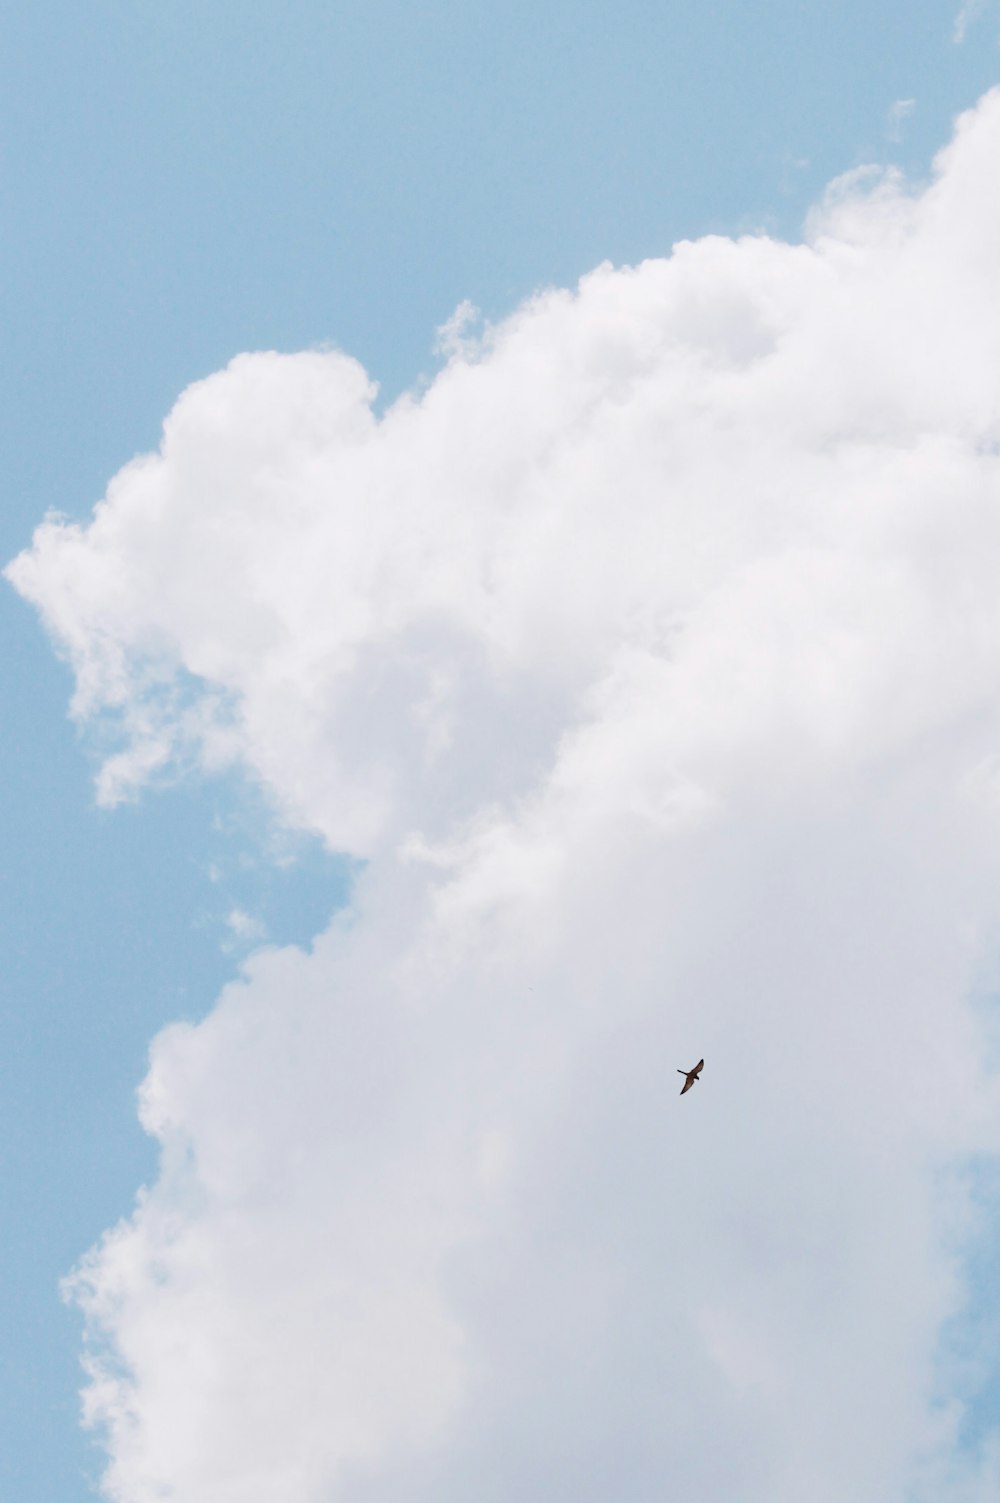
650	660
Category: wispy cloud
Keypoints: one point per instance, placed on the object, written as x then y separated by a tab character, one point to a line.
898	113
650	657
244	928
969	13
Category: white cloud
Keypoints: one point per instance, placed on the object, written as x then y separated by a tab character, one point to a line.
651	658
969	12
244	928
898	112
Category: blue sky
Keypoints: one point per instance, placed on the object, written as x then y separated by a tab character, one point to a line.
182	183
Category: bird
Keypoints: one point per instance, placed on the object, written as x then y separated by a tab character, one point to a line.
690	1076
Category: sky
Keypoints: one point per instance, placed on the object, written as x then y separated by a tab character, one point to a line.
539	629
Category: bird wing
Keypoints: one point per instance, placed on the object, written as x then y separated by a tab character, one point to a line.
698	1067
689	1082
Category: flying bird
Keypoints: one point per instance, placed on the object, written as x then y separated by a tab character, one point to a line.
690	1076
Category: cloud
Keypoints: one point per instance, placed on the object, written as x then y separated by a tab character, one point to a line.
898	112
969	12
244	928
649	658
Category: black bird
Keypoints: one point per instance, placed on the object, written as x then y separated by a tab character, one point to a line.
690	1076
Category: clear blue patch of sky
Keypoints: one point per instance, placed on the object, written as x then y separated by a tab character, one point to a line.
967	1367
180	182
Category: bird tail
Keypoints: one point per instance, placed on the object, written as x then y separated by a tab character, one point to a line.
682	1072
